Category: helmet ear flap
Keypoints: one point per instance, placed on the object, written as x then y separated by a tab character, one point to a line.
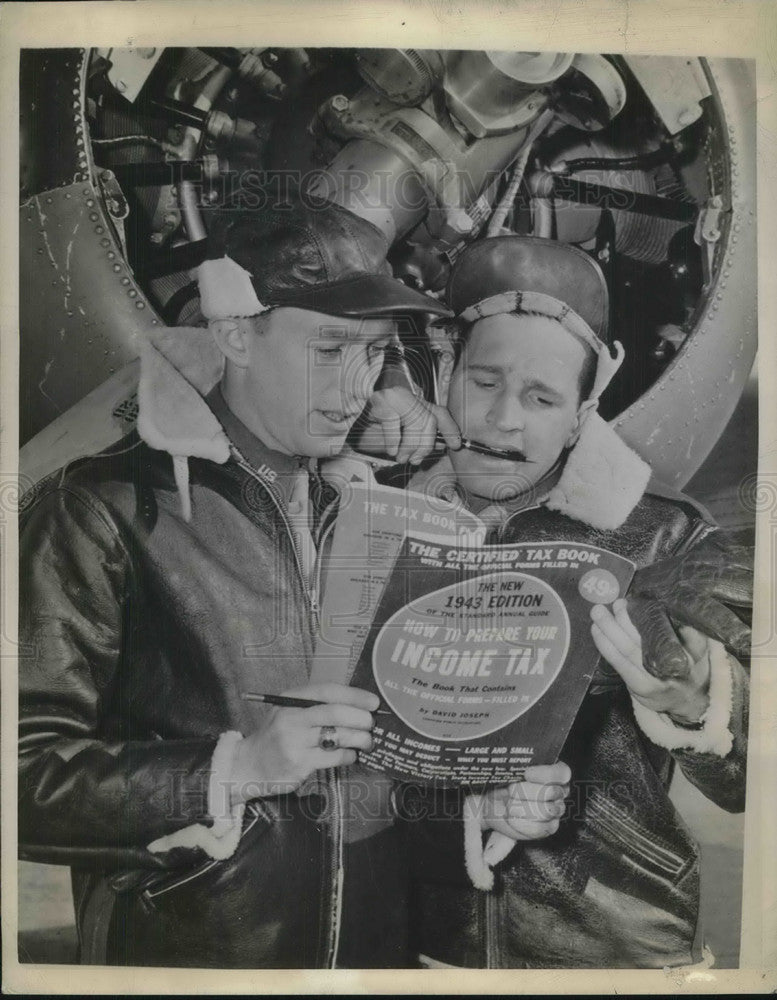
447	345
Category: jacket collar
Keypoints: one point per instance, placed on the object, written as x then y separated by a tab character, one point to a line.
178	367
601	483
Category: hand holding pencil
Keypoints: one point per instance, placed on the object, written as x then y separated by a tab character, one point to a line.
309	728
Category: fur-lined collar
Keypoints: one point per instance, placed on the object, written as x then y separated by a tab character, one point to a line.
178	366
602	481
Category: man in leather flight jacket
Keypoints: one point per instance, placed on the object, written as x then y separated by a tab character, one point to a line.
163	580
618	884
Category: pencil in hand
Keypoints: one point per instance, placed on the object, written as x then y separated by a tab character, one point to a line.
286	701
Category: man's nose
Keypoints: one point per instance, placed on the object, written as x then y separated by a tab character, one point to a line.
507	413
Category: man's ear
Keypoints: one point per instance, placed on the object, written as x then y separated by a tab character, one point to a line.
232	337
584	412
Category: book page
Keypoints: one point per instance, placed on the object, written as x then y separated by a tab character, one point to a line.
371	524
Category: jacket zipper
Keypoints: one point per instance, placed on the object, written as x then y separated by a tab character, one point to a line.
336	870
322	536
492	919
311	596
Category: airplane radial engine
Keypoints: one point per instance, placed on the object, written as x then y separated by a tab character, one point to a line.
130	156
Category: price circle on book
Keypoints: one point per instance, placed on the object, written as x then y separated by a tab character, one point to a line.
599	586
466	660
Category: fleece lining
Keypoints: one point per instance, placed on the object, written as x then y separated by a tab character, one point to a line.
715	736
601	483
220	840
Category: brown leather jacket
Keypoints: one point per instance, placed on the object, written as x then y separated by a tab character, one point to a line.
140	628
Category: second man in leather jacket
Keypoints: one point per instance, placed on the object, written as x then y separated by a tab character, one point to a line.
618	884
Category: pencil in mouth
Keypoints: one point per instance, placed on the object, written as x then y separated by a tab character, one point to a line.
509	454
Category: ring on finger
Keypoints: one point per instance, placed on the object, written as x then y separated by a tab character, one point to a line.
327	738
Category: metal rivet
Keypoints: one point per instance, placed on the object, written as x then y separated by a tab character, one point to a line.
49	201
111	255
99	230
117	267
89	201
132	293
125	281
94	216
67	196
140	305
39	250
105	242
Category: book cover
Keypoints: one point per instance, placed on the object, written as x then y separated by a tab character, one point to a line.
483	654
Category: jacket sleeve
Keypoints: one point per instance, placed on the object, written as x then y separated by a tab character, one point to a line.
723	779
714	757
85	792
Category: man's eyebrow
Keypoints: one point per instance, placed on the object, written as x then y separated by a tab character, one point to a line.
351	333
490	369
